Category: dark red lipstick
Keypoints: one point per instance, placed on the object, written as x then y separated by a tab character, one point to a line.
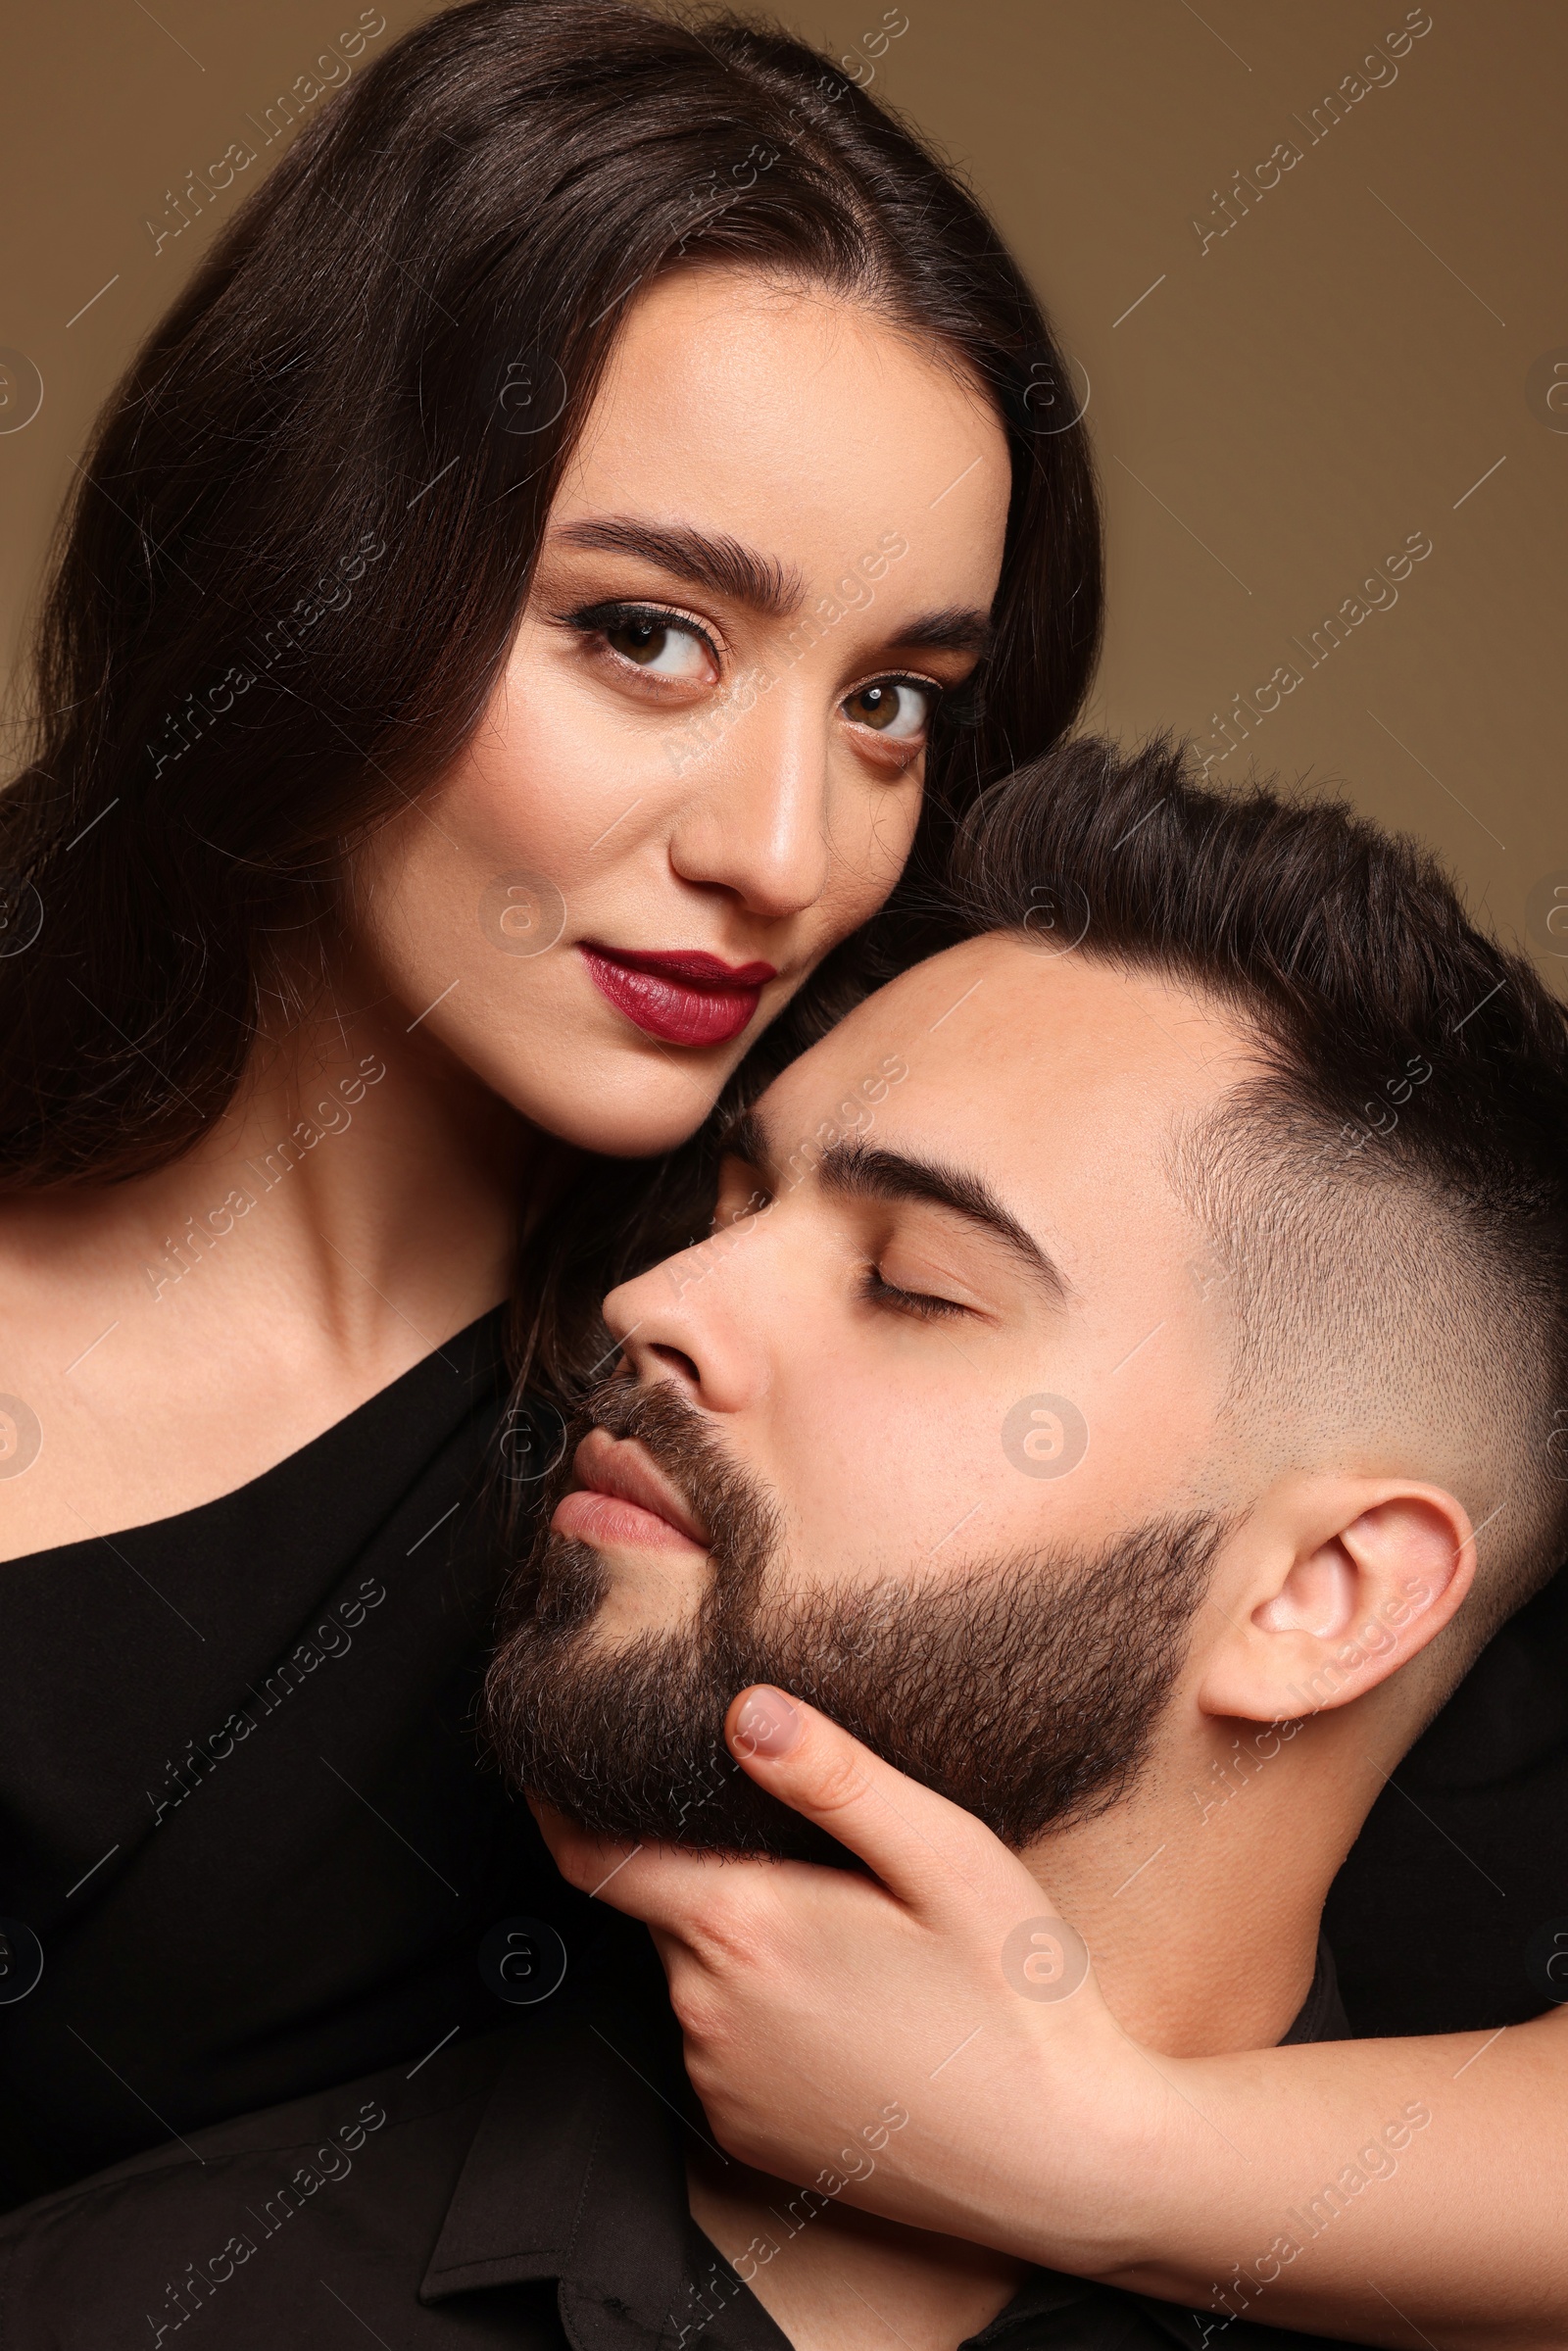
683	997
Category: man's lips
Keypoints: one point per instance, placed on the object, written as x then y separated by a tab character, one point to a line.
623	1498
685	996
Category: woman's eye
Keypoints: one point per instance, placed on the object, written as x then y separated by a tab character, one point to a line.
895	706
662	647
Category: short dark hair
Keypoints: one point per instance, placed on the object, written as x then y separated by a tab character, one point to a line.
306	525
1393	1188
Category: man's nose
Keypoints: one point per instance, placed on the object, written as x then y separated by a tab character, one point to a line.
686	1321
758	821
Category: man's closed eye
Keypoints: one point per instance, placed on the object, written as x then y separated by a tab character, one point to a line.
887	1296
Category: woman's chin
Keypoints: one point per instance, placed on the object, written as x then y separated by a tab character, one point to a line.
618	1106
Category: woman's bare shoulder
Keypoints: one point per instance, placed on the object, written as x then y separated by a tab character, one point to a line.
136	1384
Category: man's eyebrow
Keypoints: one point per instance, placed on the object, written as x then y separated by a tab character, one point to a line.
742	1139
858	1170
719	563
865	1172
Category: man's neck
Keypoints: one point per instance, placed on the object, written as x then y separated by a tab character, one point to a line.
833	2279
1200	1896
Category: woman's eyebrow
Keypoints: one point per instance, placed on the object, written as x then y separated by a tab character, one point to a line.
957	629
725	567
719	563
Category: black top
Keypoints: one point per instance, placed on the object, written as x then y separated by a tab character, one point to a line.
1446	1916
239	1791
525	2189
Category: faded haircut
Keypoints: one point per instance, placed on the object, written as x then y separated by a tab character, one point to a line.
1386	1199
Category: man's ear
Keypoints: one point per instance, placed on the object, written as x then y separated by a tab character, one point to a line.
1337	1582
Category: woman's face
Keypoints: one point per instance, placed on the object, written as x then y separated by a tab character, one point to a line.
702	767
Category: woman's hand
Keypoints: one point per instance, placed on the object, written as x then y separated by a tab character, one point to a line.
813	1999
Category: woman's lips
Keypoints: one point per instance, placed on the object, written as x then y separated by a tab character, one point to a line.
684	997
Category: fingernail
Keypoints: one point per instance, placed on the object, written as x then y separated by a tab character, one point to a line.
767	1724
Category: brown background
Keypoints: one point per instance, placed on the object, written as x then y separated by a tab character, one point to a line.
1364	356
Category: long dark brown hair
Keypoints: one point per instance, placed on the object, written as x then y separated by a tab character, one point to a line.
304	528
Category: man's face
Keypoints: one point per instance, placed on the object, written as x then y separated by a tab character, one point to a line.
925	1432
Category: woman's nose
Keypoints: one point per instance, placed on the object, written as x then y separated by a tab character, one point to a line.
756	821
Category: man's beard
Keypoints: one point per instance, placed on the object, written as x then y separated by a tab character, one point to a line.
1026	1690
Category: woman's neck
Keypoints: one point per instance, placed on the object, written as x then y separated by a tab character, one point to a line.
389	1185
176	1335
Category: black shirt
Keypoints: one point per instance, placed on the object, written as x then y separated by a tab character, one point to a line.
526	2189
240	1799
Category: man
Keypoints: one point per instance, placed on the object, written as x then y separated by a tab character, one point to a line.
1113	1338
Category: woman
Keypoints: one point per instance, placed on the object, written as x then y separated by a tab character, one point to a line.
514	615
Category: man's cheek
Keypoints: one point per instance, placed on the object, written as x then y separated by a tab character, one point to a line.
646	1592
870	1625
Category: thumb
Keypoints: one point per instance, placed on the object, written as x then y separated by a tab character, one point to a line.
928	1852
